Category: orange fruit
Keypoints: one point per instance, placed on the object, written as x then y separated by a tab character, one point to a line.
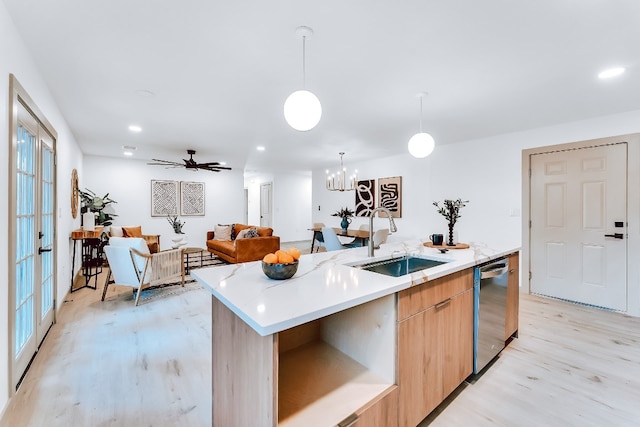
270	259
294	252
280	252
284	258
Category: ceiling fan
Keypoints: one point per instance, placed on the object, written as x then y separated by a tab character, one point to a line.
190	164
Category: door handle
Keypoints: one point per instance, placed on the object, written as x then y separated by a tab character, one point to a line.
40	250
615	235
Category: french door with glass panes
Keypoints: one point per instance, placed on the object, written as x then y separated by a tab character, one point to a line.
33	235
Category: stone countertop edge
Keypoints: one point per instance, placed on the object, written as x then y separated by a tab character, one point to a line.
325	283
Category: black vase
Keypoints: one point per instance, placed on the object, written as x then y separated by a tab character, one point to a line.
450	242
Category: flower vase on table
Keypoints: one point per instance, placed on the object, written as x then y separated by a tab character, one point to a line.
451	211
452	240
345	223
345	214
178	239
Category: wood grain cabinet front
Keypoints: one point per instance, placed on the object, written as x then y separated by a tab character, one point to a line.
380	412
435	343
513	297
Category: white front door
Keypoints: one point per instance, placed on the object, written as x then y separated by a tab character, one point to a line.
578	225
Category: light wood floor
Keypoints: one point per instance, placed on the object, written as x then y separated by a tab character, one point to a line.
113	364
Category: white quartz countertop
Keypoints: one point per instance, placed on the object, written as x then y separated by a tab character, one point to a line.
324	284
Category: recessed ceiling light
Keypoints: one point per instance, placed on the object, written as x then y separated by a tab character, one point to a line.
223	163
135	128
611	72
128	150
260	148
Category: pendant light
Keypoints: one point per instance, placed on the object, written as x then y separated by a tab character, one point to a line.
338	181
302	109
421	144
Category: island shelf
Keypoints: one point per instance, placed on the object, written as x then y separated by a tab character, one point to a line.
320	373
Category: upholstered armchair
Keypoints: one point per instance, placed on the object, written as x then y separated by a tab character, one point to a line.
131	264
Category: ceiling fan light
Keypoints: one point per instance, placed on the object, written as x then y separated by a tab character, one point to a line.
421	145
302	110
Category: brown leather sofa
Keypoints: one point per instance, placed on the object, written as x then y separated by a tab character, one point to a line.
244	249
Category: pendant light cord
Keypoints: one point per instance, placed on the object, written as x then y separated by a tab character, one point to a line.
421	113
304	64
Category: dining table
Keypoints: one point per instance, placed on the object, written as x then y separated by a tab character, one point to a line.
361	236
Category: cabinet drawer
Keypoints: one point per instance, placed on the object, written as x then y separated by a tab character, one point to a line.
421	297
380	412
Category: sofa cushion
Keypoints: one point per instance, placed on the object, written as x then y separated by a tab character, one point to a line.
227	247
264	231
116	231
222	232
132	231
247	233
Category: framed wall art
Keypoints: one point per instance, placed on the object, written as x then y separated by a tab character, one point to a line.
191	198
365	197
390	195
164	198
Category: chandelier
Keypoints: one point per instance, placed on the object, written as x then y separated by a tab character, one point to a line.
338	181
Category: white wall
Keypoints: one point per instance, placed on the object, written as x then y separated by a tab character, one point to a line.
291	192
128	182
15	59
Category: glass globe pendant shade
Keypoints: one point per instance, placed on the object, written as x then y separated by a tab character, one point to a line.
302	110
421	145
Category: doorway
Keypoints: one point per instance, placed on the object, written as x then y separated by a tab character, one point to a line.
265	205
578	224
32	226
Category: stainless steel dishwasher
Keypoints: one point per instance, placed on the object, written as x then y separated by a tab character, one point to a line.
490	310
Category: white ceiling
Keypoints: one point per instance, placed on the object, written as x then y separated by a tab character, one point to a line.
221	70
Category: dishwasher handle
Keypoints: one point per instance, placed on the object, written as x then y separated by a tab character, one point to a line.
494	270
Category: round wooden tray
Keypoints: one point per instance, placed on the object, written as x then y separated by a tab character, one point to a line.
445	246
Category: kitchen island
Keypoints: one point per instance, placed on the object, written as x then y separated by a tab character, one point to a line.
332	344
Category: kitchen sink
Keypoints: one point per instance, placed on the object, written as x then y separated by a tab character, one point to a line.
397	267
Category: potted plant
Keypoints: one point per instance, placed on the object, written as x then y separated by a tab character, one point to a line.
346	214
179	238
451	211
98	205
176	224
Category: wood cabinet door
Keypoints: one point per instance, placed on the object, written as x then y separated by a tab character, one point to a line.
380	412
513	296
457	341
419	367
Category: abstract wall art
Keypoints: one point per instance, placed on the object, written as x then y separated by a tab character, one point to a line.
390	195
365	197
164	198
191	198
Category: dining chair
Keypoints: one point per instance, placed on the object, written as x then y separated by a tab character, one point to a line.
319	239
380	237
331	241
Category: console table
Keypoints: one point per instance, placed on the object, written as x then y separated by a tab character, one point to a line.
91	256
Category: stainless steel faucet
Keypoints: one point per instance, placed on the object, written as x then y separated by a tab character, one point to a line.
392	226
